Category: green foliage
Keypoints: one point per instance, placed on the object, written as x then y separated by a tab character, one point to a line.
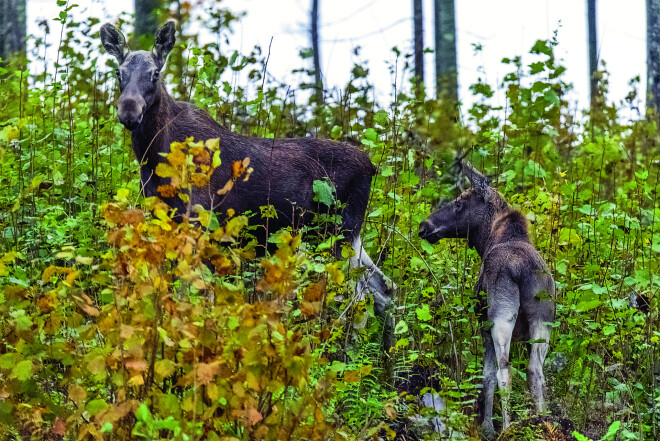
111	326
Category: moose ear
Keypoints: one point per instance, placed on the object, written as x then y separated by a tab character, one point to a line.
114	42
164	42
478	181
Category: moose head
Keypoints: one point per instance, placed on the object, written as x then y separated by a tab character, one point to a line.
138	72
467	216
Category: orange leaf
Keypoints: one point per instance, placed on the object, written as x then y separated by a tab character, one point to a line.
228	186
58	427
166	191
137	365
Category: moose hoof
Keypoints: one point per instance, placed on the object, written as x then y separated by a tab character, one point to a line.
488	431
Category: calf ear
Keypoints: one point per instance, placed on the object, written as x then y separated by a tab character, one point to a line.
479	181
114	42
164	42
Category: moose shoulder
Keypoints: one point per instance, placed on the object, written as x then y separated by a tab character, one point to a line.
518	285
284	169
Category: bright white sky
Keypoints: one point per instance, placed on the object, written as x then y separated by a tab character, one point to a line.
505	28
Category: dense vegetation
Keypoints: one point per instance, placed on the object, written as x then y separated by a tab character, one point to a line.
111	327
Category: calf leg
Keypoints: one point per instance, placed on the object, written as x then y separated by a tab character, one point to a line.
540	336
490	379
501	333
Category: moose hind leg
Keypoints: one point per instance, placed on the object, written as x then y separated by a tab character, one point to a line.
501	333
376	283
490	379
540	336
373	280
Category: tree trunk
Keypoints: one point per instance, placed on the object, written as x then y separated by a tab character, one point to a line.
12	27
653	54
418	32
593	52
318	83
146	22
446	70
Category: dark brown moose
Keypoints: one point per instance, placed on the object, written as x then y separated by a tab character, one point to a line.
284	169
518	286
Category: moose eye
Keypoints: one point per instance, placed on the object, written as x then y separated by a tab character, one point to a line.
155	76
458	205
118	73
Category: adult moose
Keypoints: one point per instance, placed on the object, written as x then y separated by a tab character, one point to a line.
284	169
518	286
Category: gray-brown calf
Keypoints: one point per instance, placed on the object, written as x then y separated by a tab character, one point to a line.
518	286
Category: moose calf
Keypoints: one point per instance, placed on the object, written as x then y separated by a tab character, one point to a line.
284	169
518	286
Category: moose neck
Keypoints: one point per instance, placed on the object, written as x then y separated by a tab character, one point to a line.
478	237
482	236
148	136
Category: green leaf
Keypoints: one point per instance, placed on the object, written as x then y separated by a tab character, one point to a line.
8	360
588	305
96	406
612	431
423	313
387	171
401	327
609	329
22	370
579	437
232	323
336	133
323	192
416	262
381	118
142	413
22	321
427	247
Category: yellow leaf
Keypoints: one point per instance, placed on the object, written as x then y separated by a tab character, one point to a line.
77	393
199	179
165	368
96	365
212	144
71	278
126	331
136	380
176	158
228	186
122	194
165	170
212	392
84	260
336	274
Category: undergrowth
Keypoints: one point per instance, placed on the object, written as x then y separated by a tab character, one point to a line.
112	326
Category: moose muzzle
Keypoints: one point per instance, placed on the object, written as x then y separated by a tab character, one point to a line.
130	108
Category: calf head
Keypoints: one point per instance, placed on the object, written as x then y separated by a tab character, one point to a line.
138	71
462	217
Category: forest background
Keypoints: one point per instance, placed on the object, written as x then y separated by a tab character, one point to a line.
105	332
